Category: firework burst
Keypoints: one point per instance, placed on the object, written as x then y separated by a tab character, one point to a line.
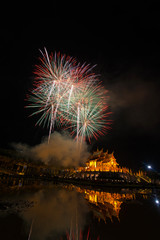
70	95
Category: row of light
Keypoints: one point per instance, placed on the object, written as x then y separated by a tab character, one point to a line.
156	200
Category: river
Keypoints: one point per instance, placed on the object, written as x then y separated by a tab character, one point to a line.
36	210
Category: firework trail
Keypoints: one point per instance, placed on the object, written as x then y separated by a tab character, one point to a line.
30	232
53	84
69	95
88	115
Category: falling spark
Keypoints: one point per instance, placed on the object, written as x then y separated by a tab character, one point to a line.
30	232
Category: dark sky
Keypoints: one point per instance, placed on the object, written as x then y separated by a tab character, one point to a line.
123	40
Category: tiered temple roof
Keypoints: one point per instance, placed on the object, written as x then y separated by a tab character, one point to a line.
102	161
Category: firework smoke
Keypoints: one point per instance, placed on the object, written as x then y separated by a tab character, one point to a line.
61	151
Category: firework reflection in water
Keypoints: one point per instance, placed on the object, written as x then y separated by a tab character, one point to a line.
72	236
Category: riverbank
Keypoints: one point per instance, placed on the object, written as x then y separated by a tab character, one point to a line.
22	180
104	184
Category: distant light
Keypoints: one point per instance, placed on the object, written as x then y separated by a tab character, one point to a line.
149	167
157	201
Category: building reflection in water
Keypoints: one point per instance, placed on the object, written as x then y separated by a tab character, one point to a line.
51	209
108	204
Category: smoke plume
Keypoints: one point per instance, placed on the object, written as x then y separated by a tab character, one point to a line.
134	101
61	150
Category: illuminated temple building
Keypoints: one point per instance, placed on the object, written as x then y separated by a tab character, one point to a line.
103	161
103	165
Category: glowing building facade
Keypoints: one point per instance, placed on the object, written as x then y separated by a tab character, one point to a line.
103	161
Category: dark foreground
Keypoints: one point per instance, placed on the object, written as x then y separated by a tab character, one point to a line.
44	210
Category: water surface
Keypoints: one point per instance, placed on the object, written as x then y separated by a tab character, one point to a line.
44	211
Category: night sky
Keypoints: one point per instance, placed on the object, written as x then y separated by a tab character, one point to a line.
123	40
